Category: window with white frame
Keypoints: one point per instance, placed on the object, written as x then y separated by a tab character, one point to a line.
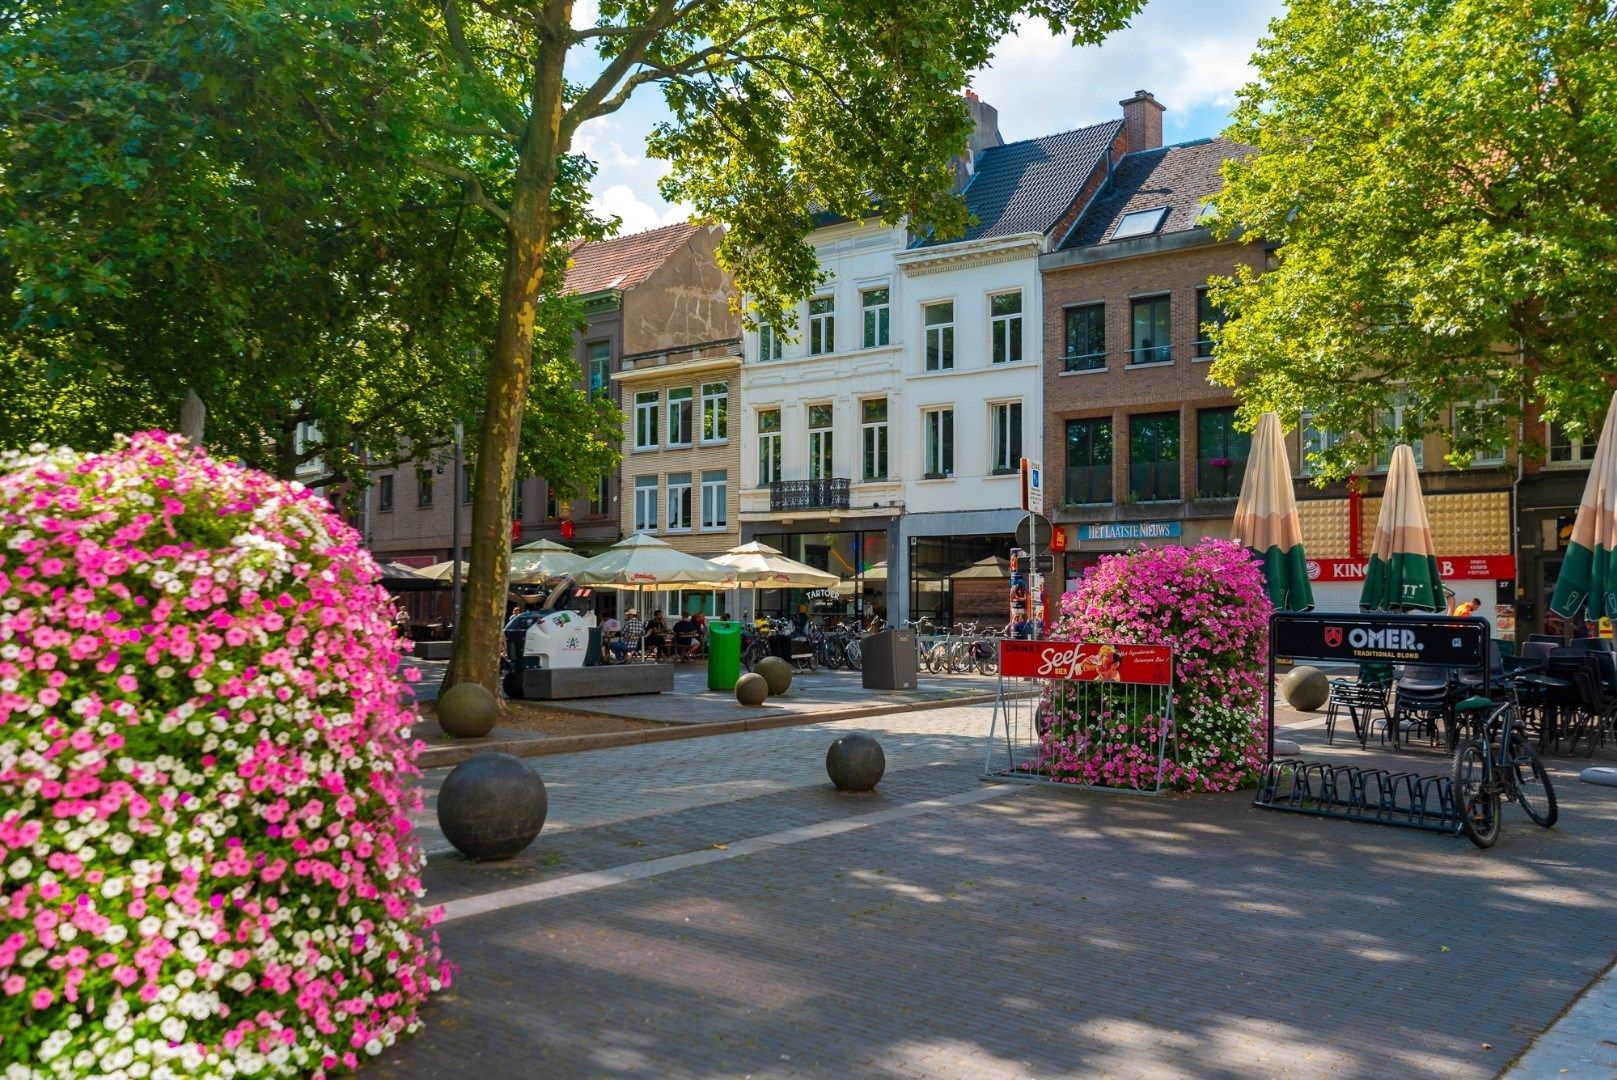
715	412
715	500
645	504
938	427
768	342
1402	424
822	327
679	502
679	416
1314	440
599	359
1494	453
645	419
938	320
820	419
1005	421
878	316
1564	449
1005	327
873	437
768	446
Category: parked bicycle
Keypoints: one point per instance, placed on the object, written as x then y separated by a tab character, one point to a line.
1498	762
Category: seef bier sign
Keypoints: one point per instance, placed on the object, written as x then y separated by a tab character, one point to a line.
1032	486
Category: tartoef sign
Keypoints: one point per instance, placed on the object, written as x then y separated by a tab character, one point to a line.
1381	638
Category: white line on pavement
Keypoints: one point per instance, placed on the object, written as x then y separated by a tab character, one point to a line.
618	875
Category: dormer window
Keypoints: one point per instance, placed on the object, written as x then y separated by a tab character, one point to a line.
1140	223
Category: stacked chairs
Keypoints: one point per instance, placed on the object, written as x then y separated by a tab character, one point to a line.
1360	699
1596	717
1425	694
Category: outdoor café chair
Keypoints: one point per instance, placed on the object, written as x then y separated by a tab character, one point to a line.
1360	699
1424	696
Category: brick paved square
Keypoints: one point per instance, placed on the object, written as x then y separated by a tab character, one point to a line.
1037	934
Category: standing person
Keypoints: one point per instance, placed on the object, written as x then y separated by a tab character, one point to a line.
700	619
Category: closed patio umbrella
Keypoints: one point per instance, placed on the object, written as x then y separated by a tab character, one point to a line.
1589	571
1266	519
1402	575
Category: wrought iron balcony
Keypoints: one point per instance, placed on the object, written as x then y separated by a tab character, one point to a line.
827	494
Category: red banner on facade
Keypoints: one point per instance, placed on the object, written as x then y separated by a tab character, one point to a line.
1087	661
1449	567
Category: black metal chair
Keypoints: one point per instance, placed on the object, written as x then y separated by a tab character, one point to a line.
1360	698
1422	704
1596	715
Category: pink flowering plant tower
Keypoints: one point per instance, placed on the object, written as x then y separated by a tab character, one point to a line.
1208	603
206	865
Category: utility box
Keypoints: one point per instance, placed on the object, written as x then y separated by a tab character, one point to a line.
889	660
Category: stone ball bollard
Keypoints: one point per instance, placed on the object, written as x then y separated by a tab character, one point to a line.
467	711
1603	775
751	689
855	763
1306	688
776	672
492	806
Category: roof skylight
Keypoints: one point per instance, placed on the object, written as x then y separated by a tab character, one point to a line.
1140	222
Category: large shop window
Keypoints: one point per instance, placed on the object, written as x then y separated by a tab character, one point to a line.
1089	461
1221	453
1154	457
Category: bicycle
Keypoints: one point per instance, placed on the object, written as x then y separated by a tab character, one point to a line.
1499	761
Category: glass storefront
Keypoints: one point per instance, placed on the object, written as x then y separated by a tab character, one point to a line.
933	562
859	559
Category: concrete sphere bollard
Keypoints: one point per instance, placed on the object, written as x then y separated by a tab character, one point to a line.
467	711
492	806
751	689
776	672
1306	688
1603	775
1287	748
855	763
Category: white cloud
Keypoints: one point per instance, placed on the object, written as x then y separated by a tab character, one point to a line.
1191	54
622	201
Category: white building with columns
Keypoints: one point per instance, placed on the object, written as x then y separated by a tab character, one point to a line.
882	442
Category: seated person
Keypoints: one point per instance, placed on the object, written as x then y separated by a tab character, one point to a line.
686	639
656	634
629	635
609	632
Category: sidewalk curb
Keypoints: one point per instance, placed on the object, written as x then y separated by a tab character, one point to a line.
435	757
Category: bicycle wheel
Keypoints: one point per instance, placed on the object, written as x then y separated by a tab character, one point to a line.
853	655
1476	806
988	661
1532	784
960	659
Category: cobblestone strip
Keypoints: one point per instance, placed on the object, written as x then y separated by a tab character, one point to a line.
617	875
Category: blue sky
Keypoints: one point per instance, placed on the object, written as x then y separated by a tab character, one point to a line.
1192	54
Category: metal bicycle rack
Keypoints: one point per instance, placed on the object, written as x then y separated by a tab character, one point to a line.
1354	792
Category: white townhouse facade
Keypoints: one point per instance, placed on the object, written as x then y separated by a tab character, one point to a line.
882	441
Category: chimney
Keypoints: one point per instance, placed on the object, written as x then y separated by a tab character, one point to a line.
1142	122
984	134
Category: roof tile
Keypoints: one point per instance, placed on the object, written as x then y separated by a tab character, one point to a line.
623	262
1026	186
1182	178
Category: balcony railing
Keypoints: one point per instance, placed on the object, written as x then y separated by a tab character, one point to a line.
827	494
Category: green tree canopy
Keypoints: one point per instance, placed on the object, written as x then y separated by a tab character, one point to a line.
219	196
1439	178
780	108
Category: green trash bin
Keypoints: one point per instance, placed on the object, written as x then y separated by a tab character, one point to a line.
723	655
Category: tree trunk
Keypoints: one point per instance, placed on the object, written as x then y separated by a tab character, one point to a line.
478	630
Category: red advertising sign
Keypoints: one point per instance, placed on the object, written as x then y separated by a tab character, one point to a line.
1449	567
1087	661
